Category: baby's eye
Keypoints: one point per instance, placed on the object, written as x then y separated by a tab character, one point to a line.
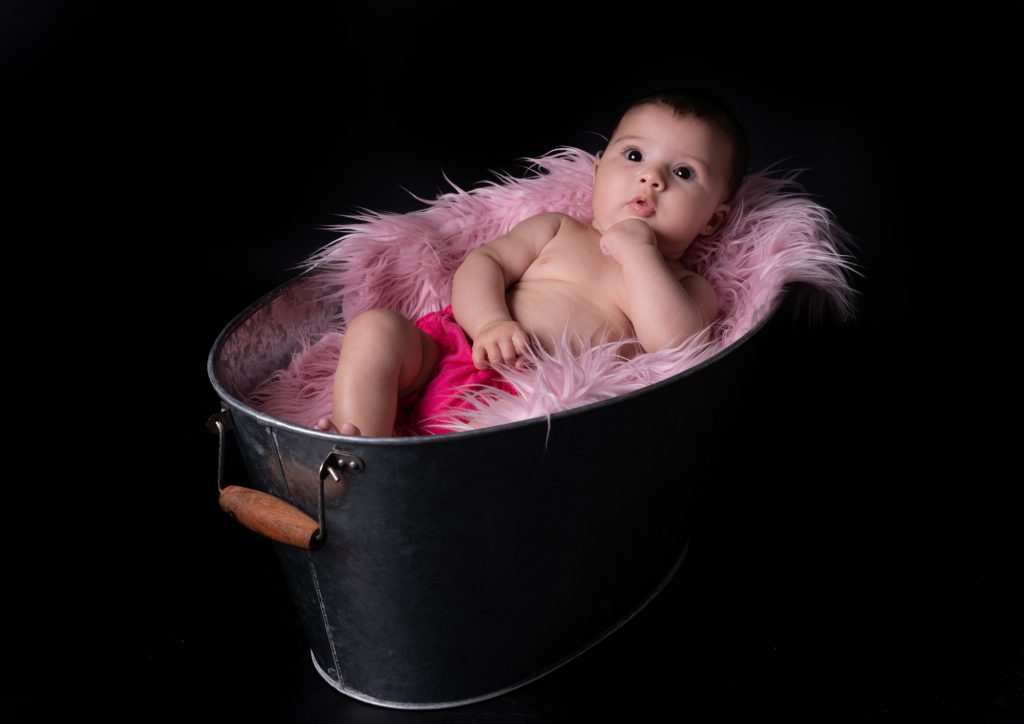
684	172
633	154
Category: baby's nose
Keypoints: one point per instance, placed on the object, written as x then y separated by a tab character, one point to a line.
651	177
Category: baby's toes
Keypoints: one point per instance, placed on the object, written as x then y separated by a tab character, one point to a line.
324	424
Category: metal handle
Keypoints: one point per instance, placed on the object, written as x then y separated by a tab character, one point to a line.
270	516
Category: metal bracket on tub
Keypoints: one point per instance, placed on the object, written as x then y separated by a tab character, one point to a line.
334	466
338	463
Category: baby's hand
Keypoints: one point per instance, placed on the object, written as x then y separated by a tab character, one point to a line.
625	235
501	342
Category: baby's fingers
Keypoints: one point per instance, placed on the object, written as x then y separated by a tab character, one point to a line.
500	348
521	343
507	350
492	355
479	356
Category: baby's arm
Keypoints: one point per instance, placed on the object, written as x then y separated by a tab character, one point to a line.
663	310
478	290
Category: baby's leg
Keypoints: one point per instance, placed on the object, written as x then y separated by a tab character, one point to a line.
384	357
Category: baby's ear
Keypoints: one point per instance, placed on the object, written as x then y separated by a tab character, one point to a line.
718	218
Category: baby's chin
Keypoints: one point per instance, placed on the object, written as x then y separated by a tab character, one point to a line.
673	249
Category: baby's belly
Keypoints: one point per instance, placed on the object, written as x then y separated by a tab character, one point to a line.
549	308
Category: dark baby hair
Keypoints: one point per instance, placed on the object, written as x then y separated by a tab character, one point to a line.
705	106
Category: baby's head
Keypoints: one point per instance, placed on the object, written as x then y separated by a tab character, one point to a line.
675	160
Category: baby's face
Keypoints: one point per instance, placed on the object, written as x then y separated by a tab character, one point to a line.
670	172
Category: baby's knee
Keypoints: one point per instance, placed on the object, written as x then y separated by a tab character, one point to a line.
378	324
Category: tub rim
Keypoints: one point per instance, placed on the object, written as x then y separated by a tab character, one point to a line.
276	422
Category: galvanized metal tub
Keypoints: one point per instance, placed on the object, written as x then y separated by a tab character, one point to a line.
457	567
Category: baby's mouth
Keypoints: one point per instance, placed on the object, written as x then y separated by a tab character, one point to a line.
641	206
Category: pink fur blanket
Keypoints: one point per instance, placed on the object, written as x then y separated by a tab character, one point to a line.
405	262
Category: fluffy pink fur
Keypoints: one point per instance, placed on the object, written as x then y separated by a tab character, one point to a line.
774	235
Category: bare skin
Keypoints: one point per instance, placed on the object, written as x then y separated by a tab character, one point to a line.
660	184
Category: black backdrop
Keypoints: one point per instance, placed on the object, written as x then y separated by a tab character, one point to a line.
166	167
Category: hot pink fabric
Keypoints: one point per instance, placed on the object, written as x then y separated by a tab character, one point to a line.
775	234
431	411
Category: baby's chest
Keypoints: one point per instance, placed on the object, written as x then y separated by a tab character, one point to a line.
577	264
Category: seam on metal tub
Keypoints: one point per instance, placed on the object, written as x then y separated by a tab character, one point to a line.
323	615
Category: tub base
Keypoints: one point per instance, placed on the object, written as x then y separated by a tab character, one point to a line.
361	696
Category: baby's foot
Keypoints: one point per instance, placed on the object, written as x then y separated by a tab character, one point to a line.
347	428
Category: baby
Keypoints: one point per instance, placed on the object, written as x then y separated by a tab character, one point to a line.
666	177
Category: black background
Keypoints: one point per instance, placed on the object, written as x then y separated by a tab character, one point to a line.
166	167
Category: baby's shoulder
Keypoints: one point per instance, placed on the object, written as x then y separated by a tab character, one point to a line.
546	224
569	227
555	221
701	291
551	229
567	221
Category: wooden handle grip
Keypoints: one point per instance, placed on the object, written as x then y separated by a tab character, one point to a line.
269	516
